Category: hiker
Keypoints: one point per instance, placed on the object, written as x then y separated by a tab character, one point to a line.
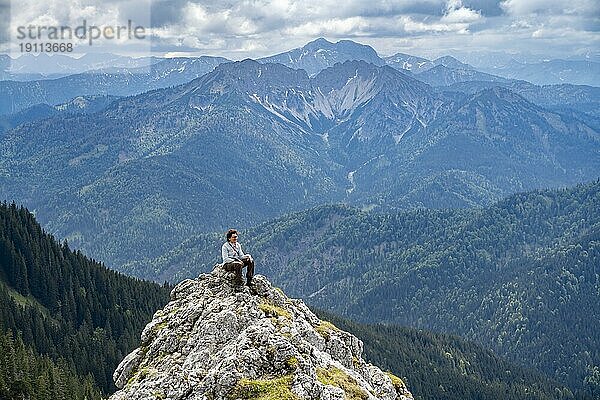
234	258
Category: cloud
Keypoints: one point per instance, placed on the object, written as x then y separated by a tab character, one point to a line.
198	20
243	25
4	21
487	8
284	24
457	13
554	7
412	26
255	28
166	12
335	26
97	15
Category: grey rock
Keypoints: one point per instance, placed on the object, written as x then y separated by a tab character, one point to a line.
215	341
125	368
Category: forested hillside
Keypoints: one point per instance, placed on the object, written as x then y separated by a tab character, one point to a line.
444	367
65	306
72	326
520	277
24	374
528	262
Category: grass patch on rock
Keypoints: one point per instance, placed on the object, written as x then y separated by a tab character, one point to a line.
325	328
336	377
271	310
397	382
265	389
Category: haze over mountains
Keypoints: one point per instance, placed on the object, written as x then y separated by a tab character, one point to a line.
20	95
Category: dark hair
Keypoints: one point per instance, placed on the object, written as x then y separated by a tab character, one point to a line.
230	233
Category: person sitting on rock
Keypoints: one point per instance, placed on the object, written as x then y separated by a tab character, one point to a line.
234	258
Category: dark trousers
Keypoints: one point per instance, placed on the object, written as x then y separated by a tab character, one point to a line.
237	266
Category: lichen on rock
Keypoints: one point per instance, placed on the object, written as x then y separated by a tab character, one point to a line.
215	341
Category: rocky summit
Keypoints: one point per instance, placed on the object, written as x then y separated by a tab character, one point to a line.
214	340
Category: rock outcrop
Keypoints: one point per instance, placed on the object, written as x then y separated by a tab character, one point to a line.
215	341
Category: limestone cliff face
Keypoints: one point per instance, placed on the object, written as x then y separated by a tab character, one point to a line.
213	342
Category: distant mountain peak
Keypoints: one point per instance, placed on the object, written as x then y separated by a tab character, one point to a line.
451	62
215	341
319	54
319	42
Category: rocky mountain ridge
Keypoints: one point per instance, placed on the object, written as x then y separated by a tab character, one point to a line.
217	341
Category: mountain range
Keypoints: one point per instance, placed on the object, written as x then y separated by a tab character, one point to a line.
578	72
147	171
27	80
77	105
40	66
321	53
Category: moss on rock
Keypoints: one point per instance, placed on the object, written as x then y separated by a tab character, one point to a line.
292	362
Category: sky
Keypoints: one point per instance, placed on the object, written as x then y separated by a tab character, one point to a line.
256	28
